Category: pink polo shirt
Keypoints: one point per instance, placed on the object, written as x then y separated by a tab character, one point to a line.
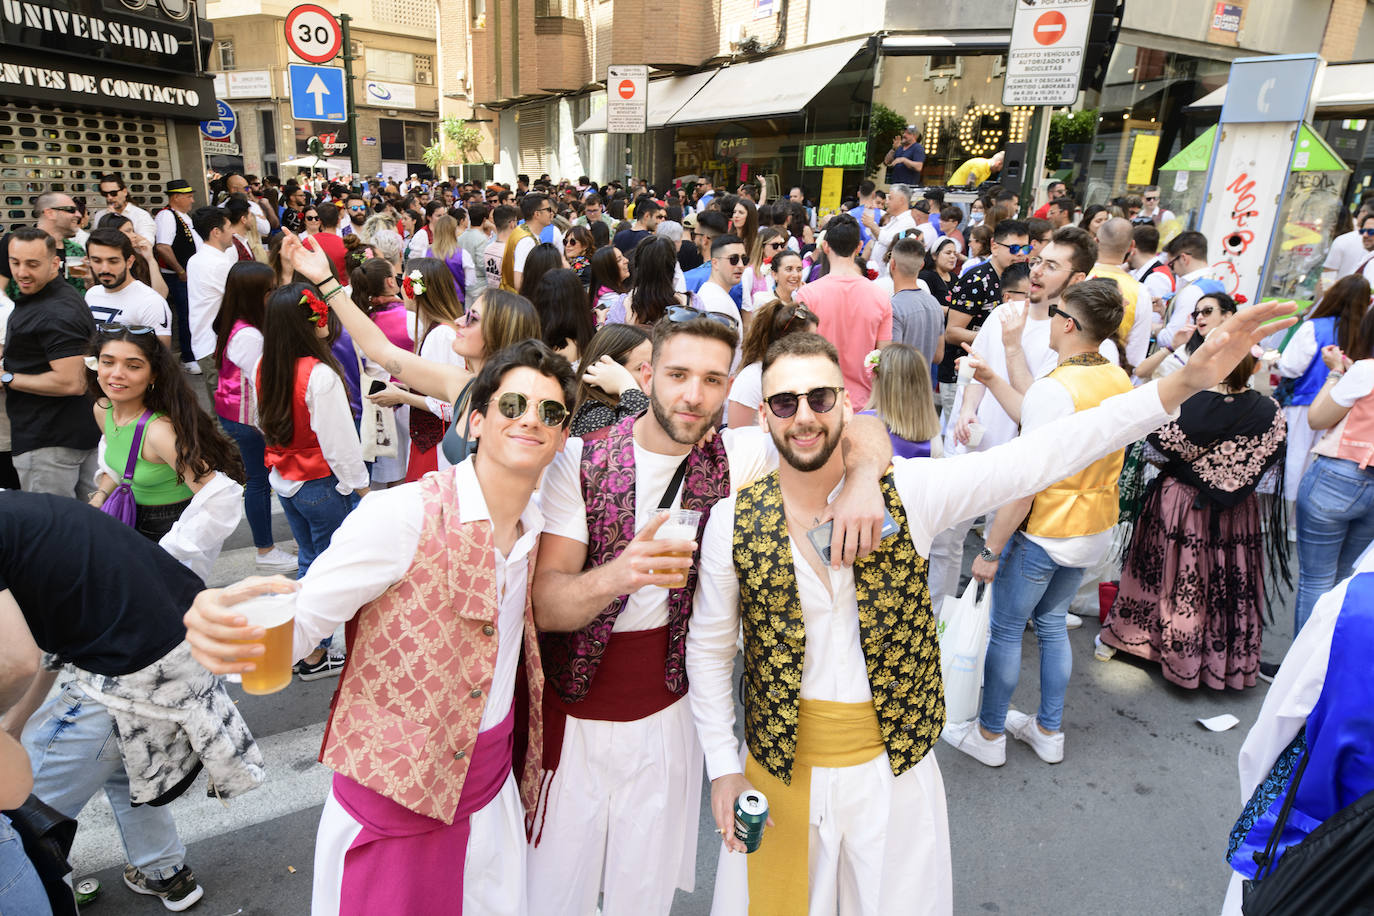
854	315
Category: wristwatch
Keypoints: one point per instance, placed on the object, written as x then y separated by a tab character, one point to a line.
6	378
987	556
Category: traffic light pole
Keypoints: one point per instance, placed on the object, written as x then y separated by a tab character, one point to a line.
351	113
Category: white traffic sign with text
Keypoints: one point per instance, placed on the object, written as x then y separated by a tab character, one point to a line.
627	99
1045	60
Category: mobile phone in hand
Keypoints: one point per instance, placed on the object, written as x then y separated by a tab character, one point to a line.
821	534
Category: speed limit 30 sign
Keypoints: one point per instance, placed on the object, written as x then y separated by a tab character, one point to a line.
313	34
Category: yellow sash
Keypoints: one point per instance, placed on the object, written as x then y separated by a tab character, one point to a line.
828	735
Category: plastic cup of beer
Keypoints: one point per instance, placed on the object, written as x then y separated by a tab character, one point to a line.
76	267
680	526
277	614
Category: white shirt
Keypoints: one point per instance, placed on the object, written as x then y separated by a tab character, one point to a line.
749	451
522	251
205	277
1346	254
438	348
141	218
1184	301
244	350
418	244
887	236
998	426
1046	401
935	493
712	298
374	547
331	419
264	227
166	230
1301	350
136	303
747	388
1157	284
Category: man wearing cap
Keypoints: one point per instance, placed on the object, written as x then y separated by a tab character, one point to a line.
907	157
176	243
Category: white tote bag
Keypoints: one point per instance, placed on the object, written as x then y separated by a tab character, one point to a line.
963	631
377	424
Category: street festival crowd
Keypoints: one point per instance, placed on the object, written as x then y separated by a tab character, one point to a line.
559	457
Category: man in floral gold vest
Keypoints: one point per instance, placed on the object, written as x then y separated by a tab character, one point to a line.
842	693
619	815
433	775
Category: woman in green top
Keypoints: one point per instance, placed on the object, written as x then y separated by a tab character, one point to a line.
181	446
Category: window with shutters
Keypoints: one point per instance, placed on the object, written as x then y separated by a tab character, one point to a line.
534	139
225	47
391	65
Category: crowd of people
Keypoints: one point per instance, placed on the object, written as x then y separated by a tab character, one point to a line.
555	455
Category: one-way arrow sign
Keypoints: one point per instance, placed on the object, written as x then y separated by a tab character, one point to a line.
317	93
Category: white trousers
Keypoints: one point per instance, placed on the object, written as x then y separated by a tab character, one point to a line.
621	818
879	845
493	874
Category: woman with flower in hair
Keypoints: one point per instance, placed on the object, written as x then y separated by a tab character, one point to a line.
312	452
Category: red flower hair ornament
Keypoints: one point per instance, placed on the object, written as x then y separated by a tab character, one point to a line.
319	310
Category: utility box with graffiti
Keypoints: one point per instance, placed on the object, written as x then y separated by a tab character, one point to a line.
1307	219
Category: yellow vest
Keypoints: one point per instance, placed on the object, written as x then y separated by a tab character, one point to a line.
1085	503
1130	294
508	258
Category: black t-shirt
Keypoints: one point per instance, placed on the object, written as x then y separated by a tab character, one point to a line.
689	256
53	323
93	591
628	239
975	294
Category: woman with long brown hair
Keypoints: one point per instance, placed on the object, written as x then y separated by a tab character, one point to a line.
608	379
773	321
1335	319
495	321
144	398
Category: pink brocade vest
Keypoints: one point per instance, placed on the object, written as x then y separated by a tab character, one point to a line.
406	713
229	388
1357	435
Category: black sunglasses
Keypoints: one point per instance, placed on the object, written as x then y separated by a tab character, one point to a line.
115	327
820	400
1204	313
736	259
1367	232
513	405
309	218
66	209
800	313
681	313
1056	310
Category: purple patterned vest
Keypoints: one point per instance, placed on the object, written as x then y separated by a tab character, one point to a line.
608	489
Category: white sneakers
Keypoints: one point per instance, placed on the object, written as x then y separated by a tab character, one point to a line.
1072	621
1049	748
276	561
192	367
968	737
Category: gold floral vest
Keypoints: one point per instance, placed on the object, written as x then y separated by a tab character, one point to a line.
896	627
1087	502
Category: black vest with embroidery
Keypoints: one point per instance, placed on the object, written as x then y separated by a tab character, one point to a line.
896	629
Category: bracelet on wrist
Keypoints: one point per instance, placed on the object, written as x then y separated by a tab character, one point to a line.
1334	374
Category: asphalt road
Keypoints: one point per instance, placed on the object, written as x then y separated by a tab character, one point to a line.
1134	821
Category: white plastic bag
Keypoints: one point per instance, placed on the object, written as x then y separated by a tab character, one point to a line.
963	631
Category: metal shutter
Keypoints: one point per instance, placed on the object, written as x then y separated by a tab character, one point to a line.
534	140
46	148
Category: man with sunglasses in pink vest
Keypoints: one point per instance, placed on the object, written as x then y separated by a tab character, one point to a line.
619	812
435	732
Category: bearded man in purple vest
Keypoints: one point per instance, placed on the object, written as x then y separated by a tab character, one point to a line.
618	815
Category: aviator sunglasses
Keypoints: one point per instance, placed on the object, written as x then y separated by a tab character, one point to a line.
513	405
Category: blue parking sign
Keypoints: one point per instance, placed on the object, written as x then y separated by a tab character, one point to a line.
317	93
222	127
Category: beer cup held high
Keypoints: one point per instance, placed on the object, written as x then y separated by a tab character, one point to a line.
277	614
680	526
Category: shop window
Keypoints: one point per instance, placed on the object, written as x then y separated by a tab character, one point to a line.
225	48
416	139
479	13
391	137
391	65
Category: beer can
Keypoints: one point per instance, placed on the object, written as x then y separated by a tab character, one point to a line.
751	813
86	890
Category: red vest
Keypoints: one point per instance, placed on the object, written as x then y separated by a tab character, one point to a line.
302	459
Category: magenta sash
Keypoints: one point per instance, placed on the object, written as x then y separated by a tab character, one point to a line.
390	866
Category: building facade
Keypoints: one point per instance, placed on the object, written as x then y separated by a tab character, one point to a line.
95	86
394	88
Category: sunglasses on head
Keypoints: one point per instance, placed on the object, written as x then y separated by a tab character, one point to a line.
736	259
513	406
820	400
1056	310
801	316
115	327
1016	249
681	313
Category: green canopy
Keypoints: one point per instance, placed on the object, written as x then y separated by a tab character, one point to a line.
1195	157
1314	154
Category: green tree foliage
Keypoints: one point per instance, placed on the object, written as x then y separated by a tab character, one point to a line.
883	125
1073	127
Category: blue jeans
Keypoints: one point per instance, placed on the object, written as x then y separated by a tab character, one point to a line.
21	890
1335	525
315	513
181	315
257	492
1029	585
75	753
